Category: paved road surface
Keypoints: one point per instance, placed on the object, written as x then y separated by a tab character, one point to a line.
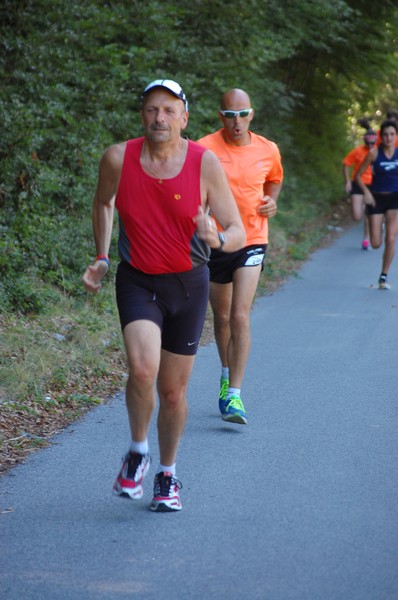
302	504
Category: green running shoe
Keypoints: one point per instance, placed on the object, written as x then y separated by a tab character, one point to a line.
235	411
222	397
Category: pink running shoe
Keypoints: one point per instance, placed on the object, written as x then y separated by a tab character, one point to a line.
165	493
129	481
365	245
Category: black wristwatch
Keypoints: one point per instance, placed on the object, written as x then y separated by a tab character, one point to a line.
221	237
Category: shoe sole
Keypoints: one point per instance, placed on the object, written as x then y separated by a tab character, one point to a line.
241	420
163	506
123	492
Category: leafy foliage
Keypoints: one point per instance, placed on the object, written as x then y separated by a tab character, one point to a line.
72	73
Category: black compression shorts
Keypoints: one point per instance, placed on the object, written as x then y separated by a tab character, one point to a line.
223	264
355	189
177	302
384	202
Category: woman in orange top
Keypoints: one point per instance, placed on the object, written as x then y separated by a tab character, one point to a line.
352	161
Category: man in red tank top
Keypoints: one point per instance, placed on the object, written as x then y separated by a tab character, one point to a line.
163	187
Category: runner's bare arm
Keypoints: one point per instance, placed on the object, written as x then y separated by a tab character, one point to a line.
217	196
268	207
103	208
369	159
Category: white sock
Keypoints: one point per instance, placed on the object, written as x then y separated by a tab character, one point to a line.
225	372
140	447
233	392
169	469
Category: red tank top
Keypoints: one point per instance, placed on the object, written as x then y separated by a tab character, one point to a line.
156	230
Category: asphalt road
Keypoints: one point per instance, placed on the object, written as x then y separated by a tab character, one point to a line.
300	504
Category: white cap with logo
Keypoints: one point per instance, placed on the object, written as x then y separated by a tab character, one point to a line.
168	84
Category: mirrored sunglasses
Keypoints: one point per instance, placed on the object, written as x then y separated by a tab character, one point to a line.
231	114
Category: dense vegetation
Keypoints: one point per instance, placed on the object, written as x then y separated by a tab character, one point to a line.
72	73
71	77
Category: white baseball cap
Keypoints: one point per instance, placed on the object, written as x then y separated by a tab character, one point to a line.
168	84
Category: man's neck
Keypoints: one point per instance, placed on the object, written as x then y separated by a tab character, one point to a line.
163	152
164	161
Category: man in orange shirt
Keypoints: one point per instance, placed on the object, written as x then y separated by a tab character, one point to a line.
254	171
353	160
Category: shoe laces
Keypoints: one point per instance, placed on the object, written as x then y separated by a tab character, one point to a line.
165	485
235	402
224	384
135	465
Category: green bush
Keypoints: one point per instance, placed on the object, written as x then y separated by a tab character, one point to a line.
72	74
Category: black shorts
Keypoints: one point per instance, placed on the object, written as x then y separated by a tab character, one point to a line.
177	302
355	189
223	264
384	202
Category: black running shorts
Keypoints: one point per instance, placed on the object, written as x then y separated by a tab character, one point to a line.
223	264
384	202
177	302
355	189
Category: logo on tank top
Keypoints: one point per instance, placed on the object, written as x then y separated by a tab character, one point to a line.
389	166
